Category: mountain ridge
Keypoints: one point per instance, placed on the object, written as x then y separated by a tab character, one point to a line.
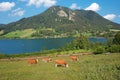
62	20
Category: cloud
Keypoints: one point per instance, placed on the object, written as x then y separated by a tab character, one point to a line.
93	7
5	6
38	3
18	9
109	16
17	12
74	6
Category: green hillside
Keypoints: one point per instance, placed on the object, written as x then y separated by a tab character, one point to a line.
63	21
27	33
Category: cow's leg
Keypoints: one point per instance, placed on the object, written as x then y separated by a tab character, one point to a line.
56	65
77	59
45	61
37	60
66	65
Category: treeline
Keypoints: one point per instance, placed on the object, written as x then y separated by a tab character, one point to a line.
111	46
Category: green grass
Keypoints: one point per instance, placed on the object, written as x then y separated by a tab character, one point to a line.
20	34
53	52
114	30
89	67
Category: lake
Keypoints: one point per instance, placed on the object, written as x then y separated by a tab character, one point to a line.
15	46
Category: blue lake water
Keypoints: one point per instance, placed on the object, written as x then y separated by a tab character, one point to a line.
15	46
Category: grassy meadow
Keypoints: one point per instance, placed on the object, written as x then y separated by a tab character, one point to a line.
89	67
20	34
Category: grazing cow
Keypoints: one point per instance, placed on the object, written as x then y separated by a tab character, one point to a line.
61	63
47	59
32	61
74	58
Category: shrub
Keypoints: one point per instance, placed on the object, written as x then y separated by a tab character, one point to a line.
99	50
116	39
4	56
81	42
114	48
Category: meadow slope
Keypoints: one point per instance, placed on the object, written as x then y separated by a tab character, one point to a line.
89	67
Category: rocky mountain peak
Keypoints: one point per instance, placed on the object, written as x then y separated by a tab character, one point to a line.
62	13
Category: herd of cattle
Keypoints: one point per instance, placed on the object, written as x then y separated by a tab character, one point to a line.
58	62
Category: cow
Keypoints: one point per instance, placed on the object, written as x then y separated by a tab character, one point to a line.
74	58
61	63
47	59
32	61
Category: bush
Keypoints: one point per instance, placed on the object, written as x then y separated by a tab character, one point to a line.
81	42
116	39
4	56
114	48
99	50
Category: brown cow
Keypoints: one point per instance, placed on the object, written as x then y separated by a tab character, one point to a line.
32	61
47	59
74	58
61	63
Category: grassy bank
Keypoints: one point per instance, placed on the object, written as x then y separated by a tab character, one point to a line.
53	52
89	67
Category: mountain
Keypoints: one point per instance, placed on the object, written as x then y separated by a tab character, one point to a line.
58	20
1	24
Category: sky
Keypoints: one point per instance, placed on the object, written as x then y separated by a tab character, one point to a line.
14	10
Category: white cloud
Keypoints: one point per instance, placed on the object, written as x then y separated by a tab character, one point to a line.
49	3
5	6
18	9
17	12
109	16
74	6
93	7
38	3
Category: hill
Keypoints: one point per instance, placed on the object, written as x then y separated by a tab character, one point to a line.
1	24
60	21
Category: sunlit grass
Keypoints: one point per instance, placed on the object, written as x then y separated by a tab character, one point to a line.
20	34
89	67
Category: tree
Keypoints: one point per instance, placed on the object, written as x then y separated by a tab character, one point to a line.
81	42
116	39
